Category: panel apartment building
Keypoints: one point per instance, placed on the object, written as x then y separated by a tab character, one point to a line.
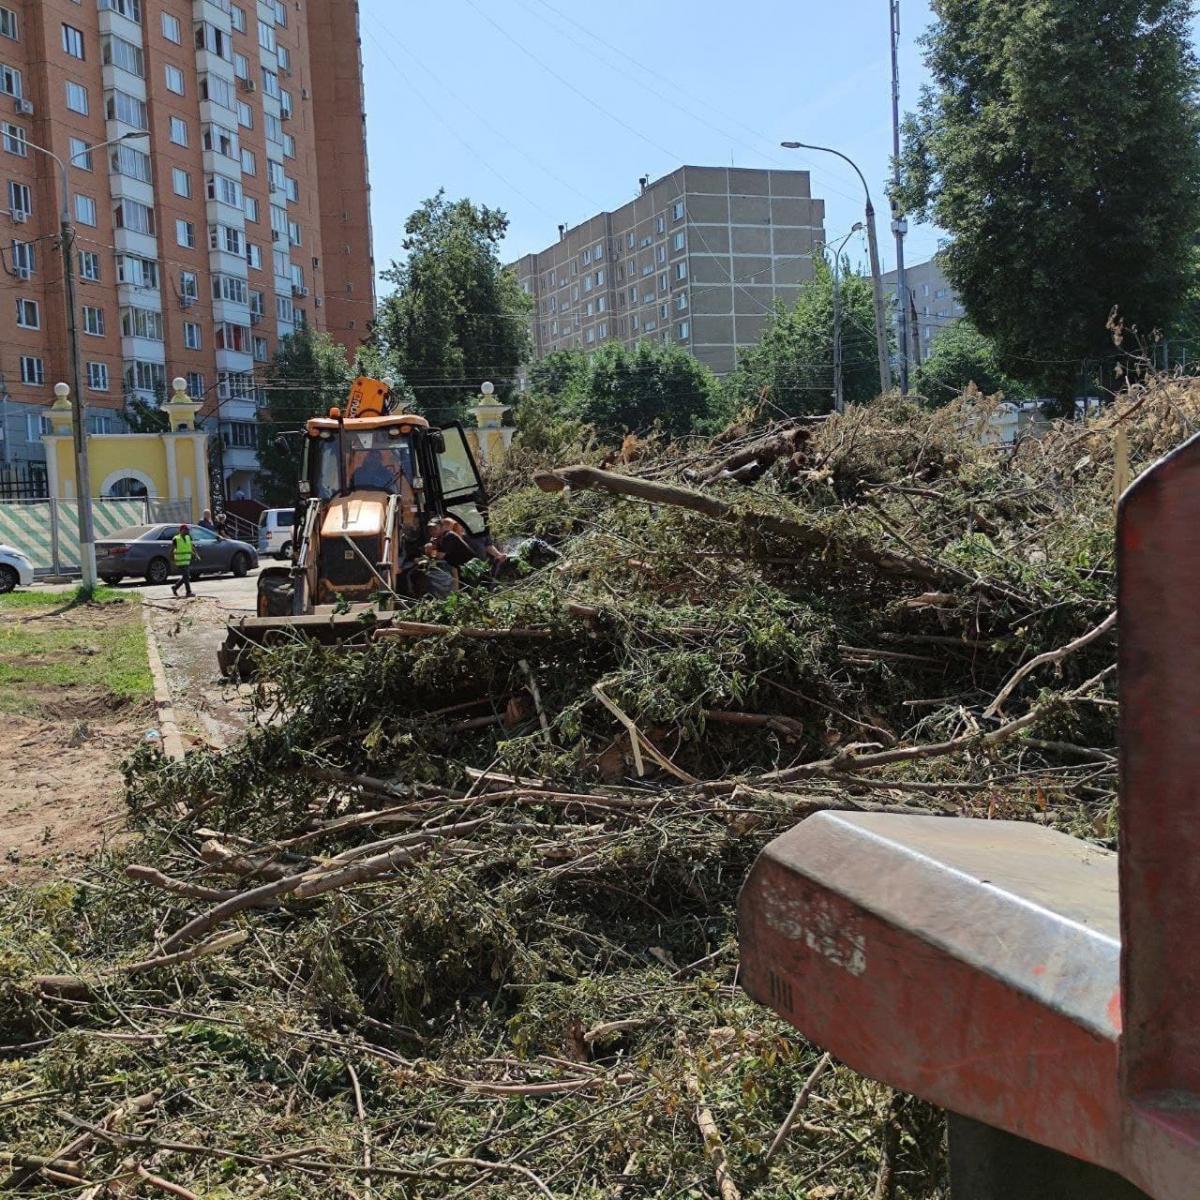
696	260
242	216
934	302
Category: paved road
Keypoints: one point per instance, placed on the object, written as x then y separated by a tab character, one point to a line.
232	594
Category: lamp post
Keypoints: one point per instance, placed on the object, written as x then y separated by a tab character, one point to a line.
885	370
83	482
839	397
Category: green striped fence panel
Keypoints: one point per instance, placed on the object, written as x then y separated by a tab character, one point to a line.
27	526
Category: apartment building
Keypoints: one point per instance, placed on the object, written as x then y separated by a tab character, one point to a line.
237	216
697	259
931	298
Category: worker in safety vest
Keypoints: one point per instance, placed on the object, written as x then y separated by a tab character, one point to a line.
184	553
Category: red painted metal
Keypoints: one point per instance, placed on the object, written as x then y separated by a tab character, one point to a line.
990	967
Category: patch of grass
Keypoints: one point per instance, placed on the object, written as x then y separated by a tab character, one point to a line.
54	642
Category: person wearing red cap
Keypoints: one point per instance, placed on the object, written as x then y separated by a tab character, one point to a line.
183	551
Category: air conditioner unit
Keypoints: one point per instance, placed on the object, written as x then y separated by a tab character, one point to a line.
248	85
317	301
285	116
24	272
19	215
25	108
255	318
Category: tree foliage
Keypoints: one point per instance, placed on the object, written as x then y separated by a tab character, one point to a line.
308	374
456	318
1059	146
959	356
558	372
143	417
792	364
621	391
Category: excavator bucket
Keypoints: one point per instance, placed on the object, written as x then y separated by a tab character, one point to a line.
236	657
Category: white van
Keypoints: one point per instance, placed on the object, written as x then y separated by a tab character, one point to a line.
275	532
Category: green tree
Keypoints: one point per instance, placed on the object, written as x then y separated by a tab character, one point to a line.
308	375
628	391
1059	146
457	317
791	367
143	417
958	356
558	372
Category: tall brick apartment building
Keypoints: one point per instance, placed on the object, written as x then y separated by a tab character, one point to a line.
241	217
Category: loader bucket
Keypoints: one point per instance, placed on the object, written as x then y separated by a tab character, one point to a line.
353	629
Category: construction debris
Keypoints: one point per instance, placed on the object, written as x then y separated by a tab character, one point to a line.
457	916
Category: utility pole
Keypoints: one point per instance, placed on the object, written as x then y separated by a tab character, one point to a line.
899	221
885	367
83	478
839	387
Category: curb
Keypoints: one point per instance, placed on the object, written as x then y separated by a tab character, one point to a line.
172	740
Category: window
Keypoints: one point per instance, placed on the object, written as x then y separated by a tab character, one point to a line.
97	377
254	256
13	137
218	90
241	66
125	160
251	208
681	301
85	210
660	225
245	115
117	52
280	12
662	283
127	8
134	216
231	337
93	320
28	316
179	131
10	81
289	146
285	58
294	233
121	106
273	127
226	190
682	330
191	335
174	77
79	153
229	287
33	370
141	376
37	426
285	103
681	270
266	36
261	352
24	258
137	271
661	255
72	41
221	140
677	211
20	199
214	40
8	23
181	182
270	83
284	309
185	234
225	237
239	433
143	323
195	385
89	266
171	29
238	17
679	241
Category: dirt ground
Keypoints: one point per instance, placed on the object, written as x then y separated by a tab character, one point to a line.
75	704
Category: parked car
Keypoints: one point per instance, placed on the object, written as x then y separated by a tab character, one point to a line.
15	569
275	532
145	550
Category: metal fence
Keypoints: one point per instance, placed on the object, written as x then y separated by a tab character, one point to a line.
23	481
48	530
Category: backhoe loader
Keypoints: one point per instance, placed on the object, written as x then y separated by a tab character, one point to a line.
389	509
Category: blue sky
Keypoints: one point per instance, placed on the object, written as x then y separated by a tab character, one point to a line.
552	109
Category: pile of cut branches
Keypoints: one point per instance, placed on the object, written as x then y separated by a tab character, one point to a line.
457	916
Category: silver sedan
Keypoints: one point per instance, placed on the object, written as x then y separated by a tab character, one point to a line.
145	551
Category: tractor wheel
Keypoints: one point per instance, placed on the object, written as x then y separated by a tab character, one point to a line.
275	594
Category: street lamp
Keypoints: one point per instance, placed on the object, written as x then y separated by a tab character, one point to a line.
885	370
839	398
83	481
